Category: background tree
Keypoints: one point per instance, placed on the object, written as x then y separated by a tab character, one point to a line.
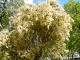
3	14
73	8
37	32
14	5
8	8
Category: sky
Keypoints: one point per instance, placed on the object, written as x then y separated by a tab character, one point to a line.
61	2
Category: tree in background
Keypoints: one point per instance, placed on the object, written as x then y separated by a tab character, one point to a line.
7	9
14	5
3	14
37	32
73	8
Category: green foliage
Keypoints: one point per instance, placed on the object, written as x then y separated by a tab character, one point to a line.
73	8
8	10
4	20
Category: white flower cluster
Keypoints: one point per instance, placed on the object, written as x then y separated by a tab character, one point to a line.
4	36
45	22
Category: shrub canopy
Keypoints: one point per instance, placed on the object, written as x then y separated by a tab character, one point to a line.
37	31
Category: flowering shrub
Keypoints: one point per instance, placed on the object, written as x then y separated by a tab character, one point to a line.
37	31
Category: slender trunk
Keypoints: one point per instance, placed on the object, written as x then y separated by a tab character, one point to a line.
68	56
72	56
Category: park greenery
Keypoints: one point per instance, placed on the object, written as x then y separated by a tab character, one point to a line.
72	7
36	32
